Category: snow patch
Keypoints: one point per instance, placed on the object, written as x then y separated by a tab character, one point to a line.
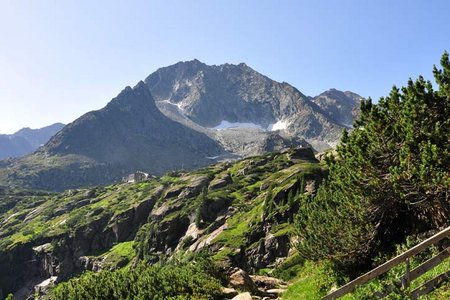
178	105
212	157
280	125
227	125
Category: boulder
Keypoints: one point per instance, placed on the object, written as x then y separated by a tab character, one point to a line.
174	191
243	296
275	292
220	182
229	293
305	153
242	281
43	287
194	187
266	282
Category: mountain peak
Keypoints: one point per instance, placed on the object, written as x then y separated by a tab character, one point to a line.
169	121
193	62
140	85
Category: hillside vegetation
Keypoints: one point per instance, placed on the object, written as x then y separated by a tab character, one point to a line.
390	179
240	214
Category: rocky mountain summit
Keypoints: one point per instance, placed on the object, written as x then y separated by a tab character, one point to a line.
224	96
183	116
26	140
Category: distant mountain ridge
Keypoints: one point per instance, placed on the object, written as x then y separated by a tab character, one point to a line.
26	140
341	107
183	116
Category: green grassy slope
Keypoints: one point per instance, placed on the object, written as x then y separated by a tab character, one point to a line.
237	212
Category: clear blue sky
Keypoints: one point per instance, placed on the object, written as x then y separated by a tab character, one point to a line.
60	59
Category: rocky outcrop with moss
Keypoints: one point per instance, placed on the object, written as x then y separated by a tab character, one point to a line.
238	213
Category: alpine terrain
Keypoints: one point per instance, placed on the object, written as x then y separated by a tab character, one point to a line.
183	117
26	140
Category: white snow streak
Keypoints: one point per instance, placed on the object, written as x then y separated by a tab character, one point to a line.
227	125
280	125
174	104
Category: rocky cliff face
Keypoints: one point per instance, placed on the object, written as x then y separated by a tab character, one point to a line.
212	95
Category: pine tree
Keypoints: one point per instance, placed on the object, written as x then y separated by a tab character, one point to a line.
391	176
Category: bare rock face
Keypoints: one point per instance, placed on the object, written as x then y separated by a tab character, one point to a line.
46	261
204	96
126	223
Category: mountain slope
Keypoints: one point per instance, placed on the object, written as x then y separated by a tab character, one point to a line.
183	116
26	140
342	107
131	131
240	213
212	95
129	134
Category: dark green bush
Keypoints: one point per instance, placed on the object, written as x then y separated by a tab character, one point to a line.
188	281
390	179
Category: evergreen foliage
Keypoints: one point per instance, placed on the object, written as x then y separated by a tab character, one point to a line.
268	205
188	281
390	177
